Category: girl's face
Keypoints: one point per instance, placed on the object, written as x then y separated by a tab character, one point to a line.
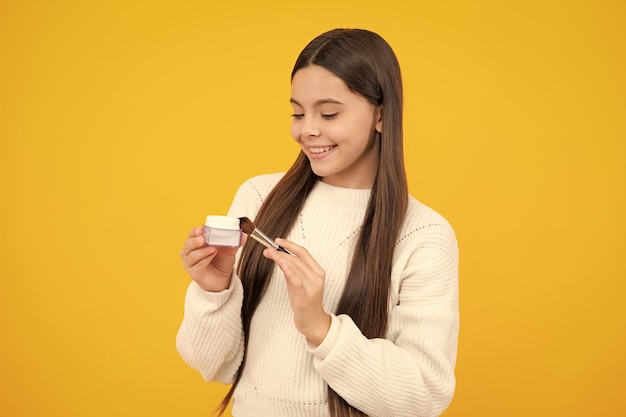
335	128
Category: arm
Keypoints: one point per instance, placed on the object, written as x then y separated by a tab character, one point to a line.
210	337
411	372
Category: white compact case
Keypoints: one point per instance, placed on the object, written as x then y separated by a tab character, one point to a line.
222	231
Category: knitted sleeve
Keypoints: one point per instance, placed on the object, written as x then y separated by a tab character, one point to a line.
210	337
411	371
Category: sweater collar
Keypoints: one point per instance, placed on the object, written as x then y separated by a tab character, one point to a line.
339	197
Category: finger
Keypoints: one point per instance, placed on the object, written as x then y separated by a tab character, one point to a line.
195	239
293	266
283	261
301	253
298	275
196	231
201	265
291	247
196	256
191	244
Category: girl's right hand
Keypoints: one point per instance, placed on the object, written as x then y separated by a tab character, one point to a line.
211	267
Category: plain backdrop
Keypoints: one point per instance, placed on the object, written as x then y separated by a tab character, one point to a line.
124	123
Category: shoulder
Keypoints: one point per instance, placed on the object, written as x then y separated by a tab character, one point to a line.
424	226
260	185
251	194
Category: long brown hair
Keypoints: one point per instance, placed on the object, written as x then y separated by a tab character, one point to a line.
368	66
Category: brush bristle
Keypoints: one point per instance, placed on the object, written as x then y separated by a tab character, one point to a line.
246	225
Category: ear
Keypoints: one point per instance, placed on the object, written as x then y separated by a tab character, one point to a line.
379	119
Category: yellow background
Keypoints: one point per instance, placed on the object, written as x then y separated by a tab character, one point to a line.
124	123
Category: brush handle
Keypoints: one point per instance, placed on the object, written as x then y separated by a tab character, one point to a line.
281	249
266	241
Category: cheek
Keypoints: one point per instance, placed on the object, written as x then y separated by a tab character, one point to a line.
294	131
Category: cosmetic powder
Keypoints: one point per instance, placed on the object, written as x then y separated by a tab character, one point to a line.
222	231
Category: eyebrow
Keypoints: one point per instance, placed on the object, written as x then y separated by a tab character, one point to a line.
318	102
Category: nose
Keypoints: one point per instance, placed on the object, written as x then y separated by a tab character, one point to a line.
310	129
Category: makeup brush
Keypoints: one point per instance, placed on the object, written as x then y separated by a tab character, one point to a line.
248	228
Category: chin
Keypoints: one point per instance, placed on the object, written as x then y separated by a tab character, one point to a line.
319	171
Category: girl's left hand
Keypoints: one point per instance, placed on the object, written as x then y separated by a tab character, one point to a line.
305	286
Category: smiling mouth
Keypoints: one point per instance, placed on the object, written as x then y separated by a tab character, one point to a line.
315	151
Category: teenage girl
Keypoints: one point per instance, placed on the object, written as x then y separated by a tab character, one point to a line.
362	318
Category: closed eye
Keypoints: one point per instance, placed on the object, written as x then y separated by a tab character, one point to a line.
297	115
329	116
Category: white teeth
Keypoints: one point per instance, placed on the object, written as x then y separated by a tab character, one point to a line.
321	150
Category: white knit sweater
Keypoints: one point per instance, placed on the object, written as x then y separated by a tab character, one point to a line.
409	373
